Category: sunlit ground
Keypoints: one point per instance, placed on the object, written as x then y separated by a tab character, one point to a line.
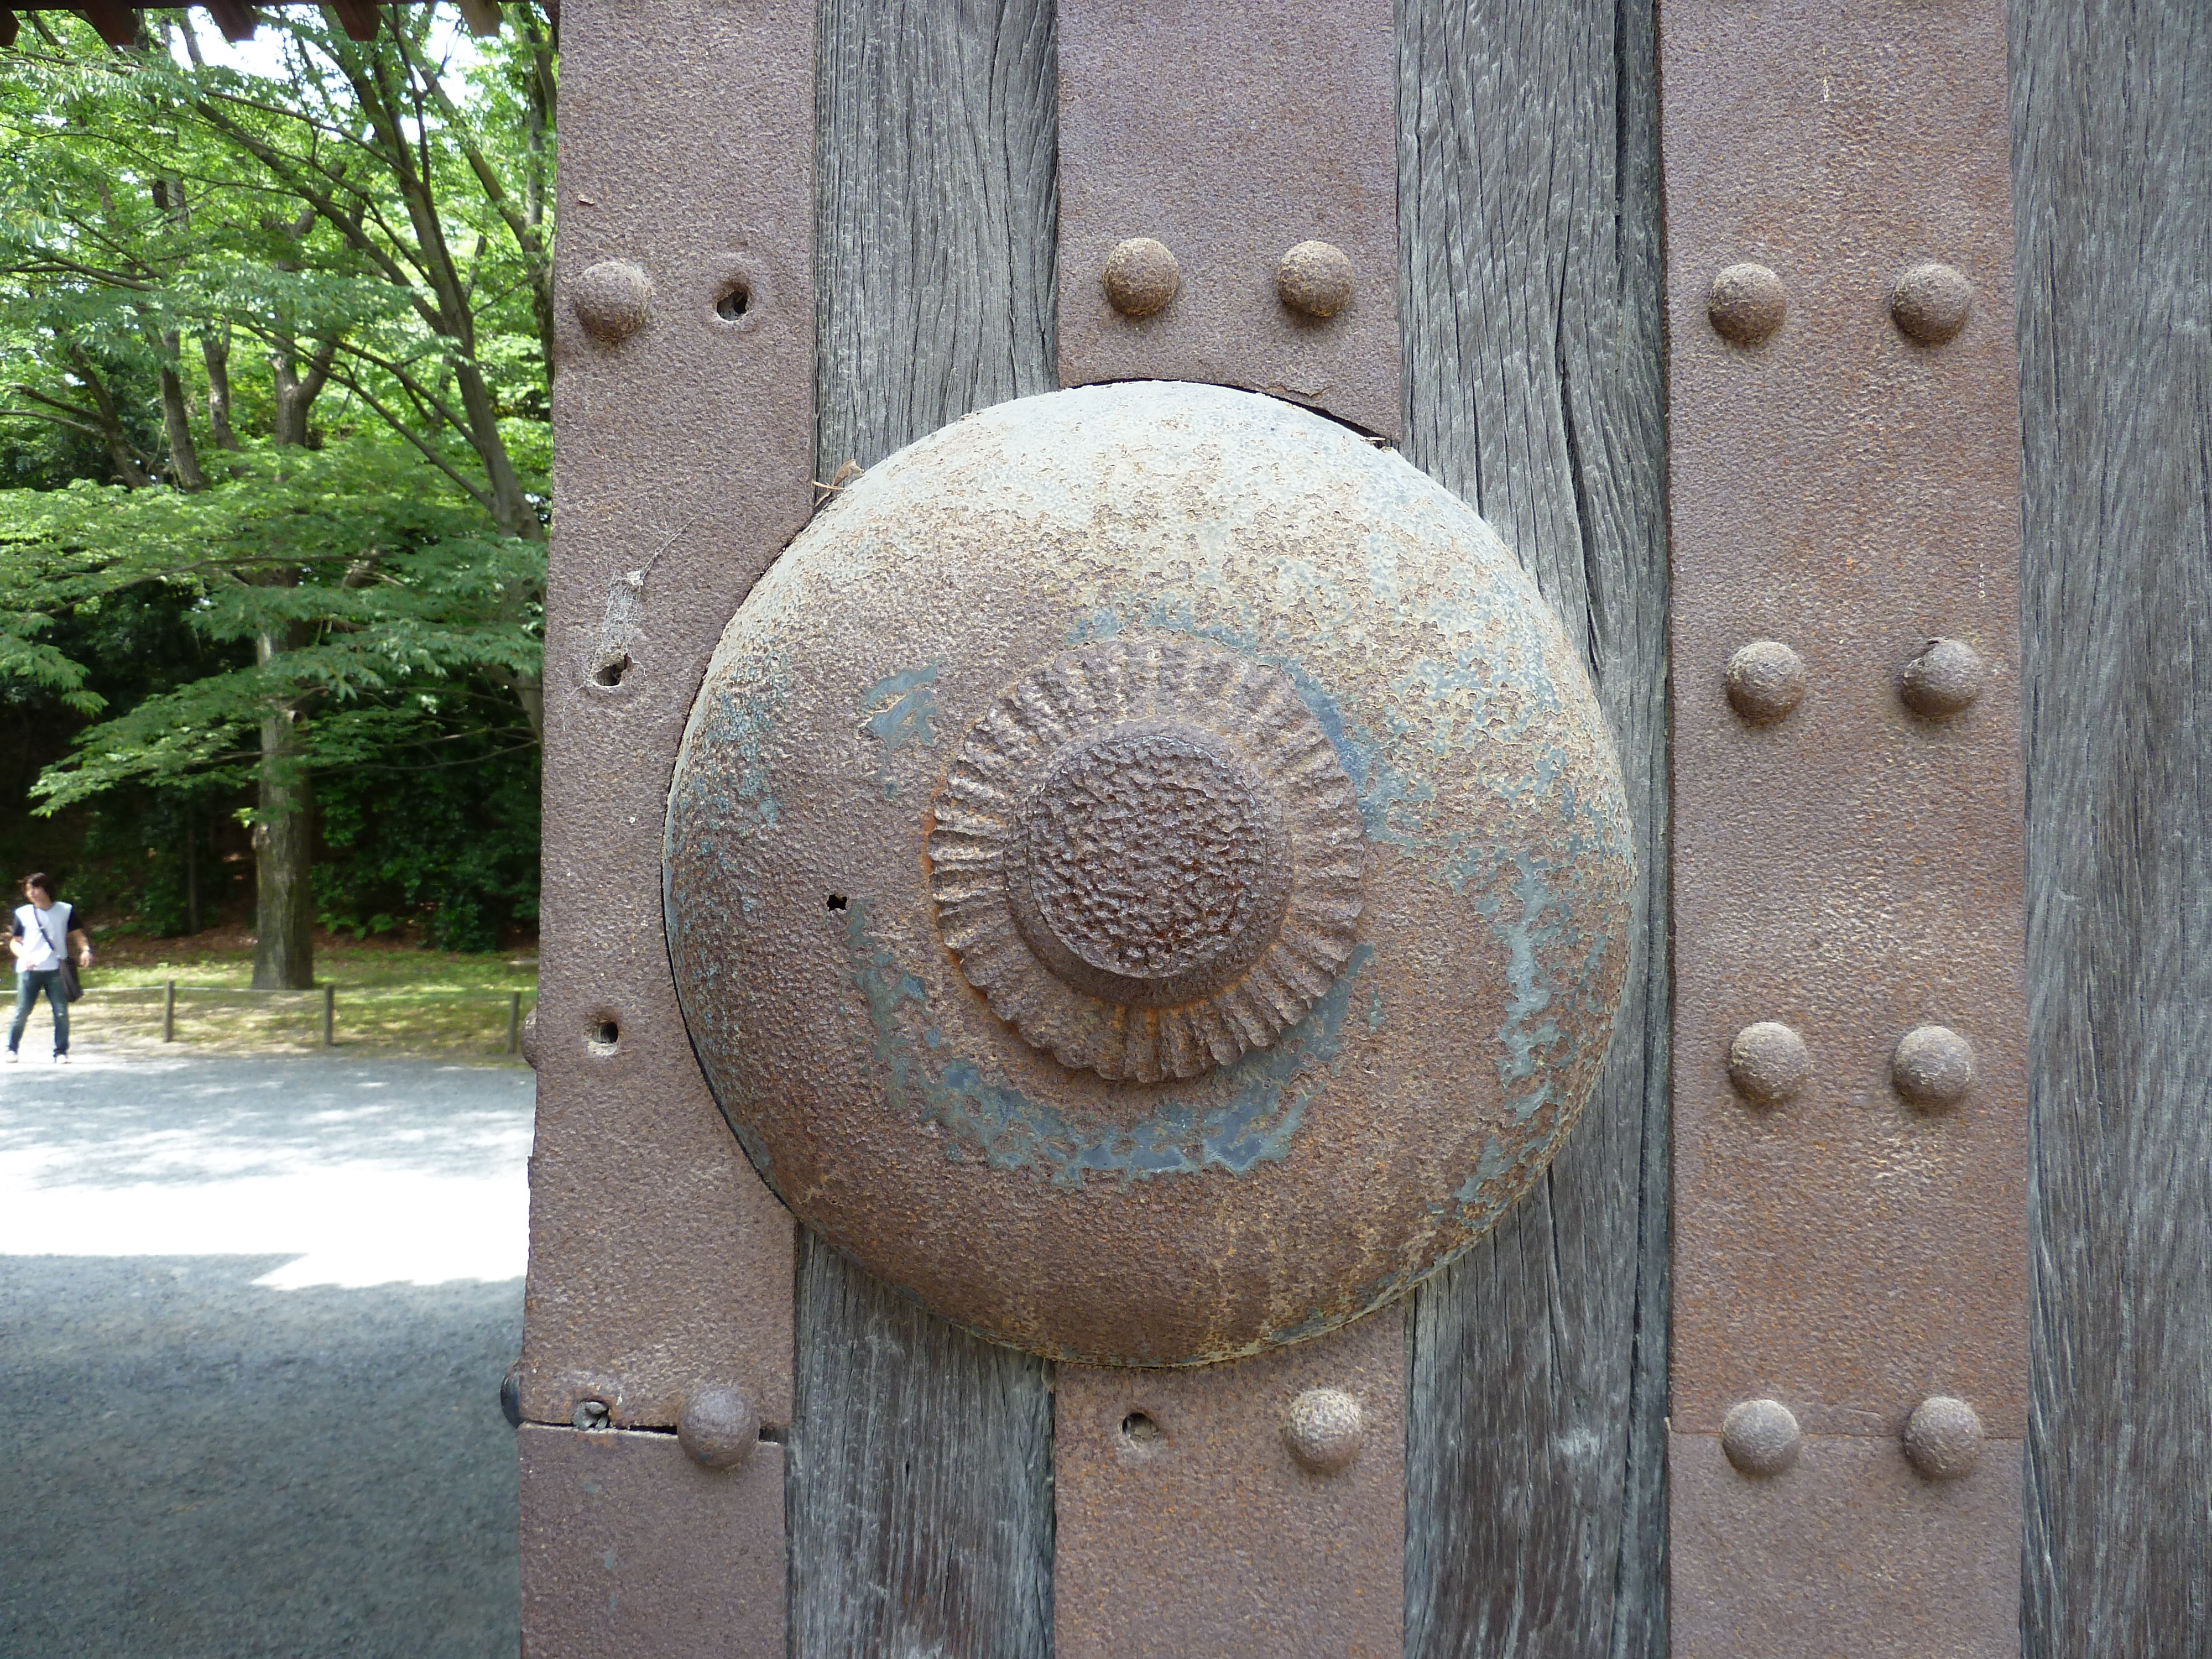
368	1173
253	1314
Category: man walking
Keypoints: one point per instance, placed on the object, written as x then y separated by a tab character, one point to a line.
46	930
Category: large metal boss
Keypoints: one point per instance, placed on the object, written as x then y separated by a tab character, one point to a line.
1147	875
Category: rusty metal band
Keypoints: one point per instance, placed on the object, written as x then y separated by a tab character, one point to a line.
683	408
1849	1363
1262	175
1230	215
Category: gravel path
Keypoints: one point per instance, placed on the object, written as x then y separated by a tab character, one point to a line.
253	1316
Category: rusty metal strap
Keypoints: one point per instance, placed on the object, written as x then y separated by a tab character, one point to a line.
1848	1363
1230	215
1228	204
660	1269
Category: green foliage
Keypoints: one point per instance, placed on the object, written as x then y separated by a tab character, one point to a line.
316	305
394	594
455	846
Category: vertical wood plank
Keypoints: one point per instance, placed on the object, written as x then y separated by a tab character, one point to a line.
2112	150
920	1474
1529	223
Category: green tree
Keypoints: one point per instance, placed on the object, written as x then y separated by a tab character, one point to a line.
378	226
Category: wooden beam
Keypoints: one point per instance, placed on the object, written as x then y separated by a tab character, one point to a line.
2112	117
233	17
482	15
117	25
358	17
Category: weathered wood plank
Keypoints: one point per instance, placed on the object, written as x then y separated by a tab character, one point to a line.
921	1507
2112	150
1529	197
920	1483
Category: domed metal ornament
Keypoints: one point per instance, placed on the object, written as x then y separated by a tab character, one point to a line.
1147	876
1147	856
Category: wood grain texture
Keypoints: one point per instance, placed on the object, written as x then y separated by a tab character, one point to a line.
2112	150
1529	229
921	1478
920	1508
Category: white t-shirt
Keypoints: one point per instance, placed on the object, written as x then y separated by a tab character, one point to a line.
44	933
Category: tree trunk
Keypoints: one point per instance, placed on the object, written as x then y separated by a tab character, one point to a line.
283	828
119	448
191	871
215	351
297	387
176	419
283	941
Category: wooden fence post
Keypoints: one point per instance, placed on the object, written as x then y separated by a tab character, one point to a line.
514	1022
169	1010
330	1016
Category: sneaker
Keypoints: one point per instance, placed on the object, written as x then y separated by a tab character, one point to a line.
60	1060
12	1056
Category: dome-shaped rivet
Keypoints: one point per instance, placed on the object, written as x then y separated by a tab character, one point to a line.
1943	680
1766	681
1315	279
613	299
1768	1063
1746	304
1943	1439
719	1426
1323	1428
1761	1437
1141	276
1931	303
1933	1067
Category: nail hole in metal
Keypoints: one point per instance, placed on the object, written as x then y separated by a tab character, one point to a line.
605	1038
836	901
611	669
592	1414
1141	1429
731	307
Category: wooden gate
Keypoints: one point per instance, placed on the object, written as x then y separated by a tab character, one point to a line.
919	1465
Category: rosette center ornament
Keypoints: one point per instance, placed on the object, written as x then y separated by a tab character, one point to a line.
1147	856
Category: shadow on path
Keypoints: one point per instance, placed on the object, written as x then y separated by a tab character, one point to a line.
200	1464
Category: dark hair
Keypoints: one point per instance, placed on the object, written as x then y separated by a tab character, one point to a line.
41	880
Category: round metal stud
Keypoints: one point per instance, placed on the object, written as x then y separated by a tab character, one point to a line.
1766	682
1931	303
719	1426
1761	1437
1148	864
1768	1063
1323	1428
613	299
1141	276
1933	1067
1078	844
1315	279
510	1396
1943	1439
1746	304
1943	680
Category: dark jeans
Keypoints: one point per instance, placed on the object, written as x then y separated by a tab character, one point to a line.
27	986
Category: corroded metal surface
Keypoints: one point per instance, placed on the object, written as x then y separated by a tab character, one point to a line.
1252	165
657	1261
1173	559
630	1550
1848	865
1847	1551
1147	857
1257	1508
